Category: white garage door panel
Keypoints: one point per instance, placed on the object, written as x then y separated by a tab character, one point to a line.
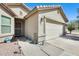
53	30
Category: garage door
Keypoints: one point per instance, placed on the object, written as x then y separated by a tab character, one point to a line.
53	30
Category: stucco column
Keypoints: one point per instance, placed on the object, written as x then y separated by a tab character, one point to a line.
44	26
44	30
43	36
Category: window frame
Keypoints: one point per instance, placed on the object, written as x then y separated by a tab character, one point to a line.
4	25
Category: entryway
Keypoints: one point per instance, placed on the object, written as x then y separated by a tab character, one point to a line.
19	27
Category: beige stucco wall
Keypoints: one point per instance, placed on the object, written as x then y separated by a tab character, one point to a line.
2	12
52	14
43	28
31	26
17	12
52	29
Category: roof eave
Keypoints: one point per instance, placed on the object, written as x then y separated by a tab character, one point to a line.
8	9
31	12
63	14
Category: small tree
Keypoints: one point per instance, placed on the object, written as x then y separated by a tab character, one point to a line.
70	27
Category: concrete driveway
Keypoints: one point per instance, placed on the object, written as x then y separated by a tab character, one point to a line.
61	46
69	43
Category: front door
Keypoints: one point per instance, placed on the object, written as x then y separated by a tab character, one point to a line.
18	28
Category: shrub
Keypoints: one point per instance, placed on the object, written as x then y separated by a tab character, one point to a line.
70	27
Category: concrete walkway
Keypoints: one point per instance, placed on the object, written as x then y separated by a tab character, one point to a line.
31	49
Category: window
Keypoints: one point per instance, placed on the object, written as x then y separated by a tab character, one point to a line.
5	24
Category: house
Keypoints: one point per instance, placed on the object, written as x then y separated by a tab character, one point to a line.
40	23
45	22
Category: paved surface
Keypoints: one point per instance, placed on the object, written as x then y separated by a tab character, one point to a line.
46	50
62	46
9	49
51	50
69	46
31	49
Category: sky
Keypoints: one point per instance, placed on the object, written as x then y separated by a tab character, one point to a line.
70	9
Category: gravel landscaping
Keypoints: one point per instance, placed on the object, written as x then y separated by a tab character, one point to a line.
9	49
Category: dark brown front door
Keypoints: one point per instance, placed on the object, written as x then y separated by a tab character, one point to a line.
17	28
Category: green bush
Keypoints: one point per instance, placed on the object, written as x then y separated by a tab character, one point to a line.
70	27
